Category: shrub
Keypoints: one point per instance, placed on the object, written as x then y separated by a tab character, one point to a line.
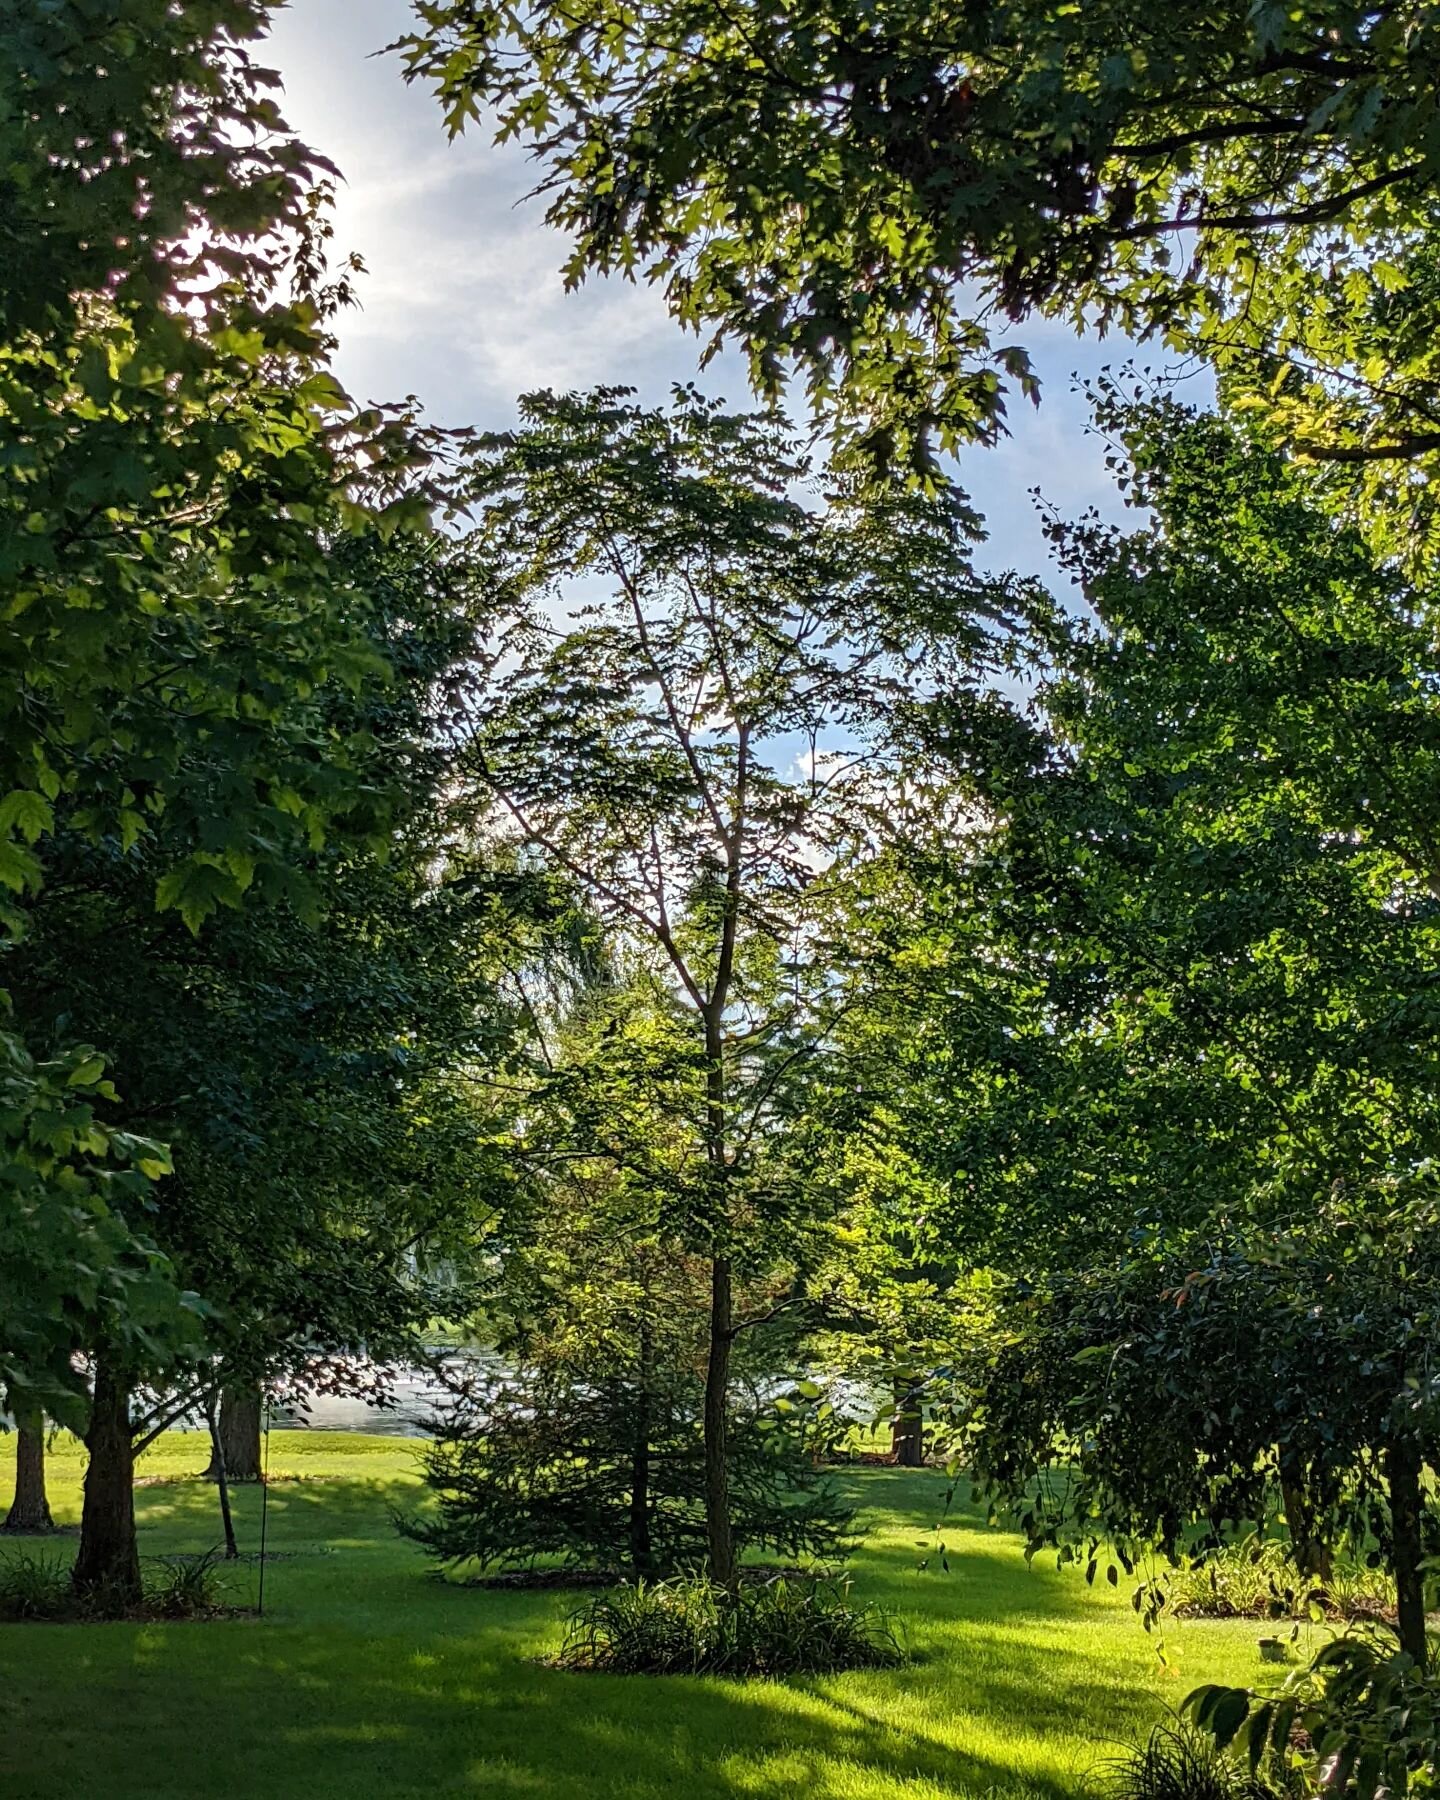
691	1627
35	1587
1369	1715
1179	1762
176	1587
1163	1401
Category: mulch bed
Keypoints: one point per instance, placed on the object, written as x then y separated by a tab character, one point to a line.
1260	1610
138	1615
530	1580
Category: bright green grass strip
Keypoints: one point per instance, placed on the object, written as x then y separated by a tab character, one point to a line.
367	1680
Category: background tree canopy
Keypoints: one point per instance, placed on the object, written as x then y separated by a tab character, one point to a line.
177	461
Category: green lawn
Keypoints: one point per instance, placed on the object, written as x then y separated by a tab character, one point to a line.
366	1679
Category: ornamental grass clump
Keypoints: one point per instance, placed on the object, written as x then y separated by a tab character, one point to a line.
34	1587
1178	1762
692	1627
185	1587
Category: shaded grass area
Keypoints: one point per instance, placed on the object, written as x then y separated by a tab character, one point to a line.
365	1679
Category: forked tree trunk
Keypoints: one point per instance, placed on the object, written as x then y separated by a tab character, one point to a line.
107	1566
30	1509
239	1435
717	1426
642	1552
907	1433
1402	1469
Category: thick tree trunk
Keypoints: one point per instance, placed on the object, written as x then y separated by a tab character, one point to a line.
239	1435
907	1433
717	1426
1402	1468
642	1552
107	1567
30	1509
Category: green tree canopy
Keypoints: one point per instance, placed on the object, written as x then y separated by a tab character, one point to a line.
1184	969
1200	1389
323	1083
875	194
178	463
1204	1151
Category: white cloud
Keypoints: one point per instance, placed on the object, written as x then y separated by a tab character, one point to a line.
464	304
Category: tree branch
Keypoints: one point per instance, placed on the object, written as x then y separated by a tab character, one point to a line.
1316	213
1419	443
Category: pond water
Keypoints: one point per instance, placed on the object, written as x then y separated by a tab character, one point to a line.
411	1398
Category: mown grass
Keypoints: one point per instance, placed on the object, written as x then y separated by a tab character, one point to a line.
365	1679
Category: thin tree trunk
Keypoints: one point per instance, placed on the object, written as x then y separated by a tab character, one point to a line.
30	1509
217	1463
107	1566
642	1553
1402	1468
239	1428
719	1536
907	1433
717	1426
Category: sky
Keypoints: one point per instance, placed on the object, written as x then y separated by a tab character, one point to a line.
464	307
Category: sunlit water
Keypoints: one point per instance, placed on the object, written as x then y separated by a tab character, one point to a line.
412	1397
402	1402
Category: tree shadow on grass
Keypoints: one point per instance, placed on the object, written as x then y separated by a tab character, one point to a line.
368	1680
305	1712
338	1510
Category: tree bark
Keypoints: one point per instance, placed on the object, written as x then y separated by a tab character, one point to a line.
107	1566
30	1509
1312	1557
720	1539
717	1426
642	1553
217	1463
907	1434
1407	1548
239	1429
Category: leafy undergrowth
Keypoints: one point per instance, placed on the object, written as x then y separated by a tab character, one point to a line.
364	1678
35	1589
1260	1583
689	1626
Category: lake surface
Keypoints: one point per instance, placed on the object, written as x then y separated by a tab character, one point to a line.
411	1399
413	1395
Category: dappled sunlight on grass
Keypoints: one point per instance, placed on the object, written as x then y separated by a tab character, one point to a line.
365	1678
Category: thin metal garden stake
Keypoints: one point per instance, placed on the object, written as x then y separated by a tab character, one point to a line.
264	1512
